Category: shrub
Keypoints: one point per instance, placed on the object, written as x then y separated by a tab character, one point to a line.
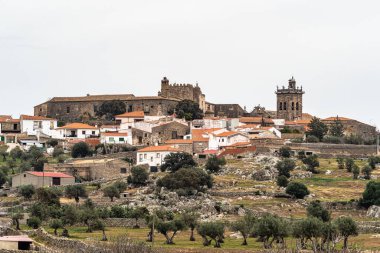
80	149
312	163
27	191
367	171
76	192
349	164
315	209
371	195
312	139
353	139
285	166
139	176
356	172
285	152
111	192
52	142
33	222
373	161
282	181
187	180
120	185
176	161
332	139
214	164
57	152
298	190
340	162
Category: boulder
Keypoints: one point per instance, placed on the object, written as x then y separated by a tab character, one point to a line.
374	212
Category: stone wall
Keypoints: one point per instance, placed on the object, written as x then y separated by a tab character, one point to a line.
169	131
229	110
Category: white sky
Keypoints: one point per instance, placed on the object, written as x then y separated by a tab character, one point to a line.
238	51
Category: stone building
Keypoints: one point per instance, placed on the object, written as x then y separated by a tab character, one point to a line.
289	101
183	92
229	110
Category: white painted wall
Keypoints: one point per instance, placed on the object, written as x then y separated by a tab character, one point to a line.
80	133
32	127
116	139
152	158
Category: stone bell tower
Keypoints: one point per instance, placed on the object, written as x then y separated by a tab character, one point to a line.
289	101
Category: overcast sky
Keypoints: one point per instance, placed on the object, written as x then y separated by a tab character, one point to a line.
238	51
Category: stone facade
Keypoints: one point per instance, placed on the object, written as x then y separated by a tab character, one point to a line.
289	101
183	92
229	110
79	108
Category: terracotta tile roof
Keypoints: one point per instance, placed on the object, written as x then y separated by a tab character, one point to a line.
240	144
227	134
27	117
257	120
158	149
136	114
209	152
49	174
9	120
114	134
77	126
248	126
179	141
90	141
303	121
237	151
197	134
334	118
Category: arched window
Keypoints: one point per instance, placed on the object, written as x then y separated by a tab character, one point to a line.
293	106
280	108
285	107
297	106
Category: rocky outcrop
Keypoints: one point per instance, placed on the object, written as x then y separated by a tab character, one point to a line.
374	212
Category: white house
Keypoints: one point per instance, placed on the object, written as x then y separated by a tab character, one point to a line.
116	138
154	156
76	131
218	140
127	120
34	125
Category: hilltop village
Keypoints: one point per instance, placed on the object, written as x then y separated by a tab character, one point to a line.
177	172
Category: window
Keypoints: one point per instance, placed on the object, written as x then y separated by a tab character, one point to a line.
174	135
112	139
151	159
121	139
297	106
95	108
37	125
123	170
285	107
93	132
293	106
280	108
68	109
15	126
158	155
145	156
51	125
83	132
141	157
145	135
24	175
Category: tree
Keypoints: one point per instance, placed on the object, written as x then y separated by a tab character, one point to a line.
315	209
373	161
317	128
56	224
271	228
282	181
349	164
312	139
367	171
120	185
308	229
16	153
285	166
213	230
57	152
191	220
3	178
176	161
189	110
340	162
4	152
336	128
139	176
312	163
298	190
138	213
285	152
52	143
27	191
33	222
111	192
88	216
245	226
347	227
80	149
49	196
16	217
109	109
76	192
167	227
355	171
214	164
371	195
186	181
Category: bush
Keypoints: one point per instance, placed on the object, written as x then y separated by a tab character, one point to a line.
353	139
27	191
371	195
332	139
214	164
57	152
315	209
52	142
80	149
176	161
340	162
111	192
285	166
33	222
139	176
76	192
282	181
356	172
120	185
367	171
349	164
312	139
187	180
285	152
373	161
297	190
